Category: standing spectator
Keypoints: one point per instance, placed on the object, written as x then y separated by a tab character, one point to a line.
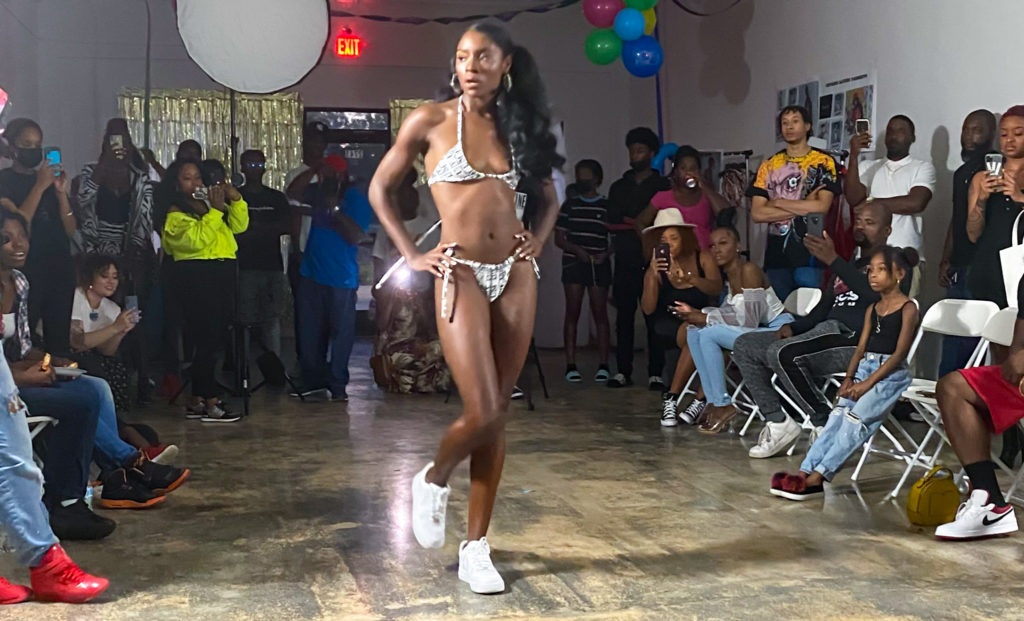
627	198
994	202
200	235
189	151
795	182
979	129
330	278
582	234
691	194
900	183
262	282
39	192
115	202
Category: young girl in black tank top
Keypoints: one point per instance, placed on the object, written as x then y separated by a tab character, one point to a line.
875	379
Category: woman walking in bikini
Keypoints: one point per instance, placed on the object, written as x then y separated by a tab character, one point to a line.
487	297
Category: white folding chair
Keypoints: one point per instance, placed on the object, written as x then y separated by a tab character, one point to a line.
965	318
36	424
799	303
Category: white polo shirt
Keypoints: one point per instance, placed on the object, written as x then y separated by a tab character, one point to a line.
888	178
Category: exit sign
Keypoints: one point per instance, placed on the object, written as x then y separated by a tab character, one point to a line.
349	46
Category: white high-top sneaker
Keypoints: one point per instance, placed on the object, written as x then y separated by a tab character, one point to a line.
476	568
429	503
978	518
775	438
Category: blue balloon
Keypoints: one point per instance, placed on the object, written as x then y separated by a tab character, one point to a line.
642	57
630	24
666	151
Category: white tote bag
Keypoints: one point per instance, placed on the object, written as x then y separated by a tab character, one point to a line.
1012	260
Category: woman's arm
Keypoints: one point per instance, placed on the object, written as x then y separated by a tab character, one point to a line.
645	218
652	286
105	340
976	198
547	214
711	282
907	332
862	344
412	140
751	277
67	217
184	233
718	202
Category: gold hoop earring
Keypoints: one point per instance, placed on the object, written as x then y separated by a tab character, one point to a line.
507	81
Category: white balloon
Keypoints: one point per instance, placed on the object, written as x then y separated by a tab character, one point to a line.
254	46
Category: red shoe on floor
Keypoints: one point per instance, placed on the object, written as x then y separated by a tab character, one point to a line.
58	579
161	453
13	593
170	385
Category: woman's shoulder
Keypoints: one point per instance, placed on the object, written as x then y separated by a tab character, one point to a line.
429	115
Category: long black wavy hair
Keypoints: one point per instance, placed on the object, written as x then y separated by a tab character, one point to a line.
524	117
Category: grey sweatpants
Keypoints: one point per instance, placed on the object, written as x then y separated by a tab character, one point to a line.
800	362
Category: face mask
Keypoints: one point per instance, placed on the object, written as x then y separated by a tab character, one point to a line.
585	186
29	157
641	165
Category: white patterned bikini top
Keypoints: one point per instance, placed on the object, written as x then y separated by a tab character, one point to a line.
455	168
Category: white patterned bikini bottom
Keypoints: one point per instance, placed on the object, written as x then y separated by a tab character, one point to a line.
491	278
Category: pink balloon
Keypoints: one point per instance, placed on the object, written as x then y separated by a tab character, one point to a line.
601	13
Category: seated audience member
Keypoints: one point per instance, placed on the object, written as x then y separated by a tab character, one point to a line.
582	234
795	182
900	183
690	194
750	304
130	480
263	285
994	202
975	403
679	273
407	352
814	346
330	279
627	198
69	444
39	192
98	325
976	136
206	213
24	517
876	377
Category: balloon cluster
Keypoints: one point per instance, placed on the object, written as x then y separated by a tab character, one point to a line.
623	29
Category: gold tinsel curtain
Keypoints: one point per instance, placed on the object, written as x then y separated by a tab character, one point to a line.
270	123
400	110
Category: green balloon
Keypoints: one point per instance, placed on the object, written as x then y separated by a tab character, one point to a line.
641	5
603	46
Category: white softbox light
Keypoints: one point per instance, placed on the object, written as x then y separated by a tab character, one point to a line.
254	46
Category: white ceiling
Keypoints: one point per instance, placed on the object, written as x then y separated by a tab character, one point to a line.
434	8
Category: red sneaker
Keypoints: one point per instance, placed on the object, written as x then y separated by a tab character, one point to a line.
161	453
13	593
58	579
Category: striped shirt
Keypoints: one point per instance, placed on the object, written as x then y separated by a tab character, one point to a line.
585	223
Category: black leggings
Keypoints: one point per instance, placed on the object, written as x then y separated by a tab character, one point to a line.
207	292
51	293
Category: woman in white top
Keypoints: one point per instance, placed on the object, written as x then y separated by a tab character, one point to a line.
98	325
750	304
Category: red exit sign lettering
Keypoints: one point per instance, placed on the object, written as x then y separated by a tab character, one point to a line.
349	46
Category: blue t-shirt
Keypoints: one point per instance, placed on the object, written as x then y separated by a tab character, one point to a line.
329	259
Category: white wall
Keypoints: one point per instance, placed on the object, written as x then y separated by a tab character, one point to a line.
723	73
64	63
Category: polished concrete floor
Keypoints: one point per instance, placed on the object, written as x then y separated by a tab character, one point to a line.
302	512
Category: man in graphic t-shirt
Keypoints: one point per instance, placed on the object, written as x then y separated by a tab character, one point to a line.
262	281
795	182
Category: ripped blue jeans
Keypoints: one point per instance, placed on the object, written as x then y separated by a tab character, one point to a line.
851	423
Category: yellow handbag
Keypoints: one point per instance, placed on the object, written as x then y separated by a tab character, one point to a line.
934	498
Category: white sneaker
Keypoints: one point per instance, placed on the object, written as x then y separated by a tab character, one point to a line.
775	438
429	503
476	568
668	411
814	435
979	518
693	411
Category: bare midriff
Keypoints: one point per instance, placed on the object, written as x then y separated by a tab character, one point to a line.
480	217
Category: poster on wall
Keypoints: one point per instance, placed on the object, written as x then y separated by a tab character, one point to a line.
805	95
846	100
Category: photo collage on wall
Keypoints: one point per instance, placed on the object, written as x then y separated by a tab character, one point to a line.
834	105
